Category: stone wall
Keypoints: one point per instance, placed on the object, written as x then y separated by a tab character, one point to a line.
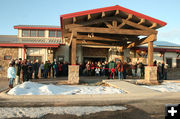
10	53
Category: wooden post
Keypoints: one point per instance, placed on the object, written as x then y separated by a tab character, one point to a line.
73	49
121	50
150	53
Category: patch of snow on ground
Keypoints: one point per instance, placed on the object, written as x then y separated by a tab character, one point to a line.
36	112
32	88
166	87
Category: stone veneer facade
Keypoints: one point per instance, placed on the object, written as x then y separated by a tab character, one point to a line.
73	74
13	53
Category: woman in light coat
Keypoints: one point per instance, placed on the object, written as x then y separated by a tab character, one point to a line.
11	75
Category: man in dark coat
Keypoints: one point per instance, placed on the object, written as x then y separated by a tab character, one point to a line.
36	69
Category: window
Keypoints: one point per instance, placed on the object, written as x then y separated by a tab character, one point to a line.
178	63
7	57
54	33
41	33
58	33
32	33
169	62
25	33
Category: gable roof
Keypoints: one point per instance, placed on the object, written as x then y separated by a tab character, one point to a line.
112	8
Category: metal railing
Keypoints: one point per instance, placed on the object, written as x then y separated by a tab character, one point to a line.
40	40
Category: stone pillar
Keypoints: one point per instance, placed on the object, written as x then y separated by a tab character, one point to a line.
151	75
73	69
73	74
150	70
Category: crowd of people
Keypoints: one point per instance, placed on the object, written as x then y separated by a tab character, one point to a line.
111	69
25	70
162	70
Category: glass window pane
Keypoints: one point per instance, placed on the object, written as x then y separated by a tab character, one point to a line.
58	33
33	33
25	33
178	63
41	33
51	33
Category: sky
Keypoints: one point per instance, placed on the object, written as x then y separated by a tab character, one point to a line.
47	12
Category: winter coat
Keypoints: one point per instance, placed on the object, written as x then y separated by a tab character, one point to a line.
11	72
120	67
111	65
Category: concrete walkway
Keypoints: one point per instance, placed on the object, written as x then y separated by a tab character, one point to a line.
129	87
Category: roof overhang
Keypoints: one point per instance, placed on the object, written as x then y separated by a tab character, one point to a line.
67	18
37	28
30	45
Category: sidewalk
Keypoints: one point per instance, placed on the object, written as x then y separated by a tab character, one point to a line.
3	84
129	87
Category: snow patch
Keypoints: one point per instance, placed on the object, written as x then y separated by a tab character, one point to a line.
36	112
33	88
166	87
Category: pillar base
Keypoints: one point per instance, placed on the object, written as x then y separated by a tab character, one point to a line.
151	75
73	74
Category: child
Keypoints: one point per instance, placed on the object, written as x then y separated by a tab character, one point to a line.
11	75
97	70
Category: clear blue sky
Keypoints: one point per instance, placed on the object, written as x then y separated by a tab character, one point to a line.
47	12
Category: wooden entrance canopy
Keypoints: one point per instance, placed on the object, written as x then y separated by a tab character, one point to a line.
109	26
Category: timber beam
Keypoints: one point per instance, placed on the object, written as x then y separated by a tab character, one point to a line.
111	31
114	22
150	38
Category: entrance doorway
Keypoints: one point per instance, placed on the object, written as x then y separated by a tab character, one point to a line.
94	59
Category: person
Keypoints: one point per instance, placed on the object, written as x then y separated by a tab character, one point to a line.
18	71
97	70
139	66
46	69
55	69
162	66
124	70
103	69
159	70
142	69
106	69
112	66
24	71
133	67
88	68
59	68
30	69
36	69
165	71
42	69
120	70
11	75
92	66
155	63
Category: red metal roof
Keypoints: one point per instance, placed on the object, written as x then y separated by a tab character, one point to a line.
28	45
42	27
117	7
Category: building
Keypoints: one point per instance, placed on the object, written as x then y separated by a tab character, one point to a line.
54	42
